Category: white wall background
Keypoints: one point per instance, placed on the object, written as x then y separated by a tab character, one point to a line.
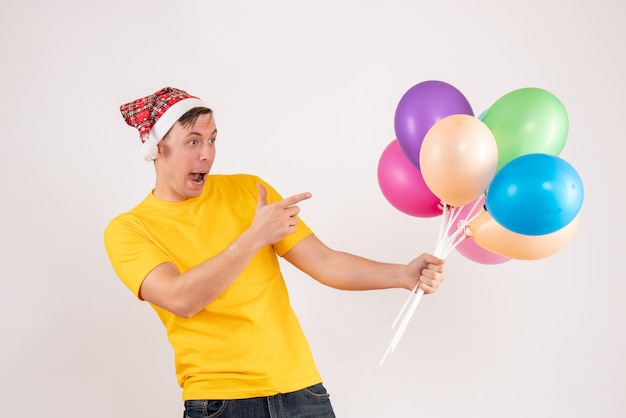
304	94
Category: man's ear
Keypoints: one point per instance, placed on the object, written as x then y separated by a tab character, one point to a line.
160	150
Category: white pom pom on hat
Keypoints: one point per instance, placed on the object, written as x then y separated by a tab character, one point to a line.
155	115
148	149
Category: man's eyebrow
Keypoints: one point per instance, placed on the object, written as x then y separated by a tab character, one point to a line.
200	134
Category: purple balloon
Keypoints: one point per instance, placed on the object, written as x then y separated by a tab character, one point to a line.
420	108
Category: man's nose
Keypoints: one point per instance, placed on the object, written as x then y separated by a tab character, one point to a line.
206	151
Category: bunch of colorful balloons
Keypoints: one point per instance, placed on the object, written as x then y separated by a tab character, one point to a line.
497	179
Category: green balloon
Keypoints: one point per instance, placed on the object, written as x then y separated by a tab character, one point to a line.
527	121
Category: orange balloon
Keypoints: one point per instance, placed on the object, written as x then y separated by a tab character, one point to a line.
458	159
492	236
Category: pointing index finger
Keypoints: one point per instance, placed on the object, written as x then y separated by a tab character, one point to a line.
292	200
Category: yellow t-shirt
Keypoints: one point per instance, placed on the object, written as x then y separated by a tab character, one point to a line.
248	342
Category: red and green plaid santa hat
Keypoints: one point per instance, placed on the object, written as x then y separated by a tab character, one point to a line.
154	116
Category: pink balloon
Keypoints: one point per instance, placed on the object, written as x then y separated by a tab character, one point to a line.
403	186
470	250
468	247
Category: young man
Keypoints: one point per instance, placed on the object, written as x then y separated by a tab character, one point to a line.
202	250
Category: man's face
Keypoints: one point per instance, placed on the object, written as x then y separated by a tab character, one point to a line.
184	159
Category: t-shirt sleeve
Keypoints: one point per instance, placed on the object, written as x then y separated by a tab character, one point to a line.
132	254
302	229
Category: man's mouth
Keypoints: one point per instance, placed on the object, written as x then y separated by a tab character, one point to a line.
197	178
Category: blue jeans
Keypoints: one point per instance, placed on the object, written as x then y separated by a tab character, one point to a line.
311	402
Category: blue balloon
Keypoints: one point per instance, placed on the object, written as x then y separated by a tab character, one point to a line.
535	194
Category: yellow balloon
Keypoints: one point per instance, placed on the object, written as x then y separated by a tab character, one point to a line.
458	159
492	236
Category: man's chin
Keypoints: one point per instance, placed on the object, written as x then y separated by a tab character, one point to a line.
194	189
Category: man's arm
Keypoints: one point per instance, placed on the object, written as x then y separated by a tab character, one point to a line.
350	272
187	293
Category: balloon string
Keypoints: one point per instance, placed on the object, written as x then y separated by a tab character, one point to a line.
405	322
452	220
449	215
453	240
404	306
415	296
472	212
458	239
446	242
461	232
442	226
407	318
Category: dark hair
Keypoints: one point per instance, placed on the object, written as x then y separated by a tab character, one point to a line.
190	117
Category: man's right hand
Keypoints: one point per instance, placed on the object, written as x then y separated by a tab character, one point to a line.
272	222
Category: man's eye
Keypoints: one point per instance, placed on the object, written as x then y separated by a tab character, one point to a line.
193	142
212	140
